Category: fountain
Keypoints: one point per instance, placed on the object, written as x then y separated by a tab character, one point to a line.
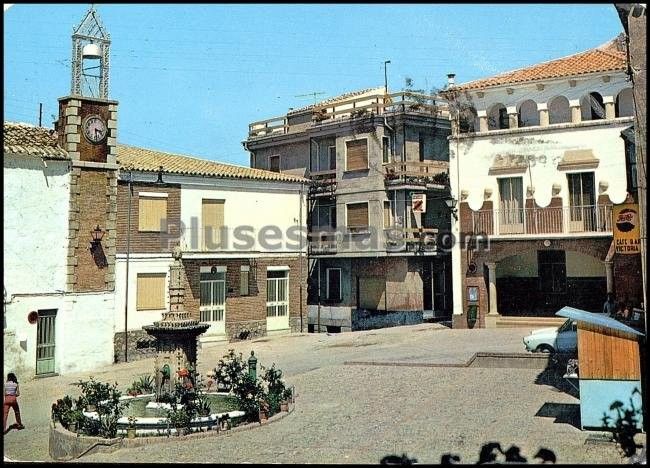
176	333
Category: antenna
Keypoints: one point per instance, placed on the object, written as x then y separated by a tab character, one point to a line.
314	94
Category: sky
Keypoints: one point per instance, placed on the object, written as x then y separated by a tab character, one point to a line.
190	78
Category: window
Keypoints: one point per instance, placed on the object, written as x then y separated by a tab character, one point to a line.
511	205
212	212
356	154
552	271
385	149
421	147
213	295
582	212
331	153
277	293
244	280
333	284
559	111
388	218
357	216
151	291
274	163
152	212
630	157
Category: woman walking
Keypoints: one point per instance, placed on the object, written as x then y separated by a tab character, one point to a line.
12	392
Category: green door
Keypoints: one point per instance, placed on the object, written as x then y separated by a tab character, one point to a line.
45	333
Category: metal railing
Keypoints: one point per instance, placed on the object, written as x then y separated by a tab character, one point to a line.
322	182
431	172
361	106
550	220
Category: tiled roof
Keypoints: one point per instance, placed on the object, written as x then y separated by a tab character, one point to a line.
142	159
607	58
22	138
342	97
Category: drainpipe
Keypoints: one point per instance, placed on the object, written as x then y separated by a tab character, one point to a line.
126	289
302	187
318	319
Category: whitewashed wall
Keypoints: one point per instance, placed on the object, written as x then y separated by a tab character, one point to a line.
148	264
246	204
36	204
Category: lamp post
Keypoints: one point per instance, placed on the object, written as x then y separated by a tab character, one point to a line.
252	366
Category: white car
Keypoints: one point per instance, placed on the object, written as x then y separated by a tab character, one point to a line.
563	339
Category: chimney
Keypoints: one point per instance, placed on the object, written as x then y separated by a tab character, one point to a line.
451	80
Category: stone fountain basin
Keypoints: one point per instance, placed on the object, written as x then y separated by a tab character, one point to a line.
157	425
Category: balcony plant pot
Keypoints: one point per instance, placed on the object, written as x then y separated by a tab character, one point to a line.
130	433
284	406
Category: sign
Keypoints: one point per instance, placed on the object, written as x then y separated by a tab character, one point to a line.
625	224
419	202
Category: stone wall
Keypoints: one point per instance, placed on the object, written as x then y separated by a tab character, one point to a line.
245	330
140	345
368	320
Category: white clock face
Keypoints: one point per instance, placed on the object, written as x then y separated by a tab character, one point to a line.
94	129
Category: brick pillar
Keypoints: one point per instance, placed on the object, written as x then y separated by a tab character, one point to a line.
576	115
543	114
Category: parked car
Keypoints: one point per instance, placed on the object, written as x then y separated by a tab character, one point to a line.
563	339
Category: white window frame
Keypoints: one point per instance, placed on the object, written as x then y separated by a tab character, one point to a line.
327	284
275	304
213	313
345	143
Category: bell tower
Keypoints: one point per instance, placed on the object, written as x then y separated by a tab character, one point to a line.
87	130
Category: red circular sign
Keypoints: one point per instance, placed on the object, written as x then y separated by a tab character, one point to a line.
32	317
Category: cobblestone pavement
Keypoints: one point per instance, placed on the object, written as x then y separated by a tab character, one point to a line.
358	414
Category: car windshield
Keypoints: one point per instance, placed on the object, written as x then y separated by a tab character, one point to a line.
565	326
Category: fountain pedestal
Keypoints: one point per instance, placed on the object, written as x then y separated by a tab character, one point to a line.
176	333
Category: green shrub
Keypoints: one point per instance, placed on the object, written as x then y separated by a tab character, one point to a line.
106	399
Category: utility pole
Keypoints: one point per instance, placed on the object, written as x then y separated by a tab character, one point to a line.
40	113
386	62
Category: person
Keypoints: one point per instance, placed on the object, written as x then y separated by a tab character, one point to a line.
609	307
12	392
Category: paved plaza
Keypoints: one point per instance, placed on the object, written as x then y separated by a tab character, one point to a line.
355	413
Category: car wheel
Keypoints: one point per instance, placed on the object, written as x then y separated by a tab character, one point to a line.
545	349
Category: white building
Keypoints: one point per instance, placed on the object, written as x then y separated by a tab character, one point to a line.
537	162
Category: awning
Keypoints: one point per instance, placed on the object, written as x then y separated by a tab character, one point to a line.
595	319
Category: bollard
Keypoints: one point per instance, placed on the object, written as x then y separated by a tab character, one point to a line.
252	366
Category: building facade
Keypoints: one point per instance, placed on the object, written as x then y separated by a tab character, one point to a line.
538	162
378	167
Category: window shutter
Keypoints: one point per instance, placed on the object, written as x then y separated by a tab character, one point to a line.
212	213
357	155
387	217
152	214
357	215
151	291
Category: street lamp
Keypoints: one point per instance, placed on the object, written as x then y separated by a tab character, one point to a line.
451	204
97	235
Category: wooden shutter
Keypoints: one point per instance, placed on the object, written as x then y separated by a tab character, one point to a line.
152	214
357	155
151	291
212	216
357	215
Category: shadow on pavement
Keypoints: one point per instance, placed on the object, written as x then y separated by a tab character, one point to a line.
564	413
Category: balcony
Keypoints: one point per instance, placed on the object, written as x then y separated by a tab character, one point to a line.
400	239
551	220
361	106
322	243
323	183
405	173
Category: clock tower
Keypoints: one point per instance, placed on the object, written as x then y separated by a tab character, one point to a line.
87	130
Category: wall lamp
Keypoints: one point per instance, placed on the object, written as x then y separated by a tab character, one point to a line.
451	204
98	235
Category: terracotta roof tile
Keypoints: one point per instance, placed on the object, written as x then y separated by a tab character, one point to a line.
607	58
142	159
22	138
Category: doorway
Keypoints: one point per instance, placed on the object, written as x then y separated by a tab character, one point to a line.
45	342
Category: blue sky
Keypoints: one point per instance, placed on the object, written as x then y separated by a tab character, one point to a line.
190	78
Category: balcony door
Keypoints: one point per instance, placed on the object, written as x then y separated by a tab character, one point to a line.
511	205
277	300
582	206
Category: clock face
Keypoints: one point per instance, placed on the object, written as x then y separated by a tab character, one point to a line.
94	129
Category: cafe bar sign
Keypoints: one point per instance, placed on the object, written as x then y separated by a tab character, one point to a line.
626	228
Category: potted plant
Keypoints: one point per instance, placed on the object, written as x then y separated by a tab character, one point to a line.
130	430
285	398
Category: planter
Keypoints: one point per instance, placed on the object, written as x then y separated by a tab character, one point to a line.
91	408
284	406
130	433
72	427
263	417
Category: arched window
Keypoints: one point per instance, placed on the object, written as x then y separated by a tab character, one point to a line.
592	107
468	120
528	114
497	117
558	110
625	103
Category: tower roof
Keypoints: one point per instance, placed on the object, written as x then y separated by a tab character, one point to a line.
92	26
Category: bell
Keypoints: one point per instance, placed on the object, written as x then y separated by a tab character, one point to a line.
91	52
